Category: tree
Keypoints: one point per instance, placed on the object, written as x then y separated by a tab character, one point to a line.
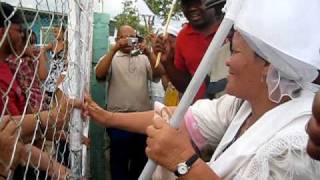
129	16
161	8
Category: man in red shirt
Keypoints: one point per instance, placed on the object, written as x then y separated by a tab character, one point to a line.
192	42
13	94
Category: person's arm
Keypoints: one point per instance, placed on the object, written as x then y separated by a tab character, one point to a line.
8	136
200	171
104	63
51	120
122	121
44	162
165	81
42	68
156	71
3	172
179	79
12	106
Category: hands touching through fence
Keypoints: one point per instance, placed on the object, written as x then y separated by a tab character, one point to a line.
92	109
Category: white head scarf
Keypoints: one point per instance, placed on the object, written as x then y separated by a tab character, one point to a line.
171	30
286	34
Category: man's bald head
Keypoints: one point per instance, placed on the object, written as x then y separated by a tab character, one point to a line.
126	31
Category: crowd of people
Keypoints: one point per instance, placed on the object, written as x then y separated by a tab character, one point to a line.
257	109
29	117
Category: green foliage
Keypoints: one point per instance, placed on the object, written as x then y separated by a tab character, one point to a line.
161	8
128	16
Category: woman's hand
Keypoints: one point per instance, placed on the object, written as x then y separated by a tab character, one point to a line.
165	145
8	136
97	114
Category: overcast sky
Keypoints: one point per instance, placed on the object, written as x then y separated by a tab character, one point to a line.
112	7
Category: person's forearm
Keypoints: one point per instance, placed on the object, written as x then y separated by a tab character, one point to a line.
133	122
157	71
178	78
3	172
44	162
104	64
29	124
200	171
42	68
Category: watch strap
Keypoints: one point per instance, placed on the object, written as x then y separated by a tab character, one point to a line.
189	163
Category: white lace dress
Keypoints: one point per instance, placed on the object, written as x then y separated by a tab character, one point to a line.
272	148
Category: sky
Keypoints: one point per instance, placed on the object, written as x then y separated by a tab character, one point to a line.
112	7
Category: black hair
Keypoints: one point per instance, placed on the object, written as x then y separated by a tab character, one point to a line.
26	34
5	11
216	4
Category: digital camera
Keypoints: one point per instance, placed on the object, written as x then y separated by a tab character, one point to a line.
133	41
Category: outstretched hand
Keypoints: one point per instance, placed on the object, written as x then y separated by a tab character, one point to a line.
92	109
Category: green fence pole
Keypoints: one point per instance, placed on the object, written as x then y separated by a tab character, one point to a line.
98	163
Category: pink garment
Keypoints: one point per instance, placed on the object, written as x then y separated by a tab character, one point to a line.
194	130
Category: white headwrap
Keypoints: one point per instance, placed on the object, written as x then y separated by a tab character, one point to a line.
287	37
171	30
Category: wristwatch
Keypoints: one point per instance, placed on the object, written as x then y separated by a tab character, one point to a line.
183	168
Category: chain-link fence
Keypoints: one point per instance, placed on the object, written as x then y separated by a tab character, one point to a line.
45	62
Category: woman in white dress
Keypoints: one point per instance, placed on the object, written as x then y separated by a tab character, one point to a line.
258	128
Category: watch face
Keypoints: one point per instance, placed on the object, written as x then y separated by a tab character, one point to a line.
182	168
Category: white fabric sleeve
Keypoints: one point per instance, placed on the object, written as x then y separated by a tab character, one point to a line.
212	117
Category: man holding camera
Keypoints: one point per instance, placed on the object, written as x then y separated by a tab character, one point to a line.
127	67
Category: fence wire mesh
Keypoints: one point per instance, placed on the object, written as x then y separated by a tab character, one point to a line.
45	61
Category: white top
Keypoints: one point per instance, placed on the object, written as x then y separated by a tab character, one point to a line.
272	148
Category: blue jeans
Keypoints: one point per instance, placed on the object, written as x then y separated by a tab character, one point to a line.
127	154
